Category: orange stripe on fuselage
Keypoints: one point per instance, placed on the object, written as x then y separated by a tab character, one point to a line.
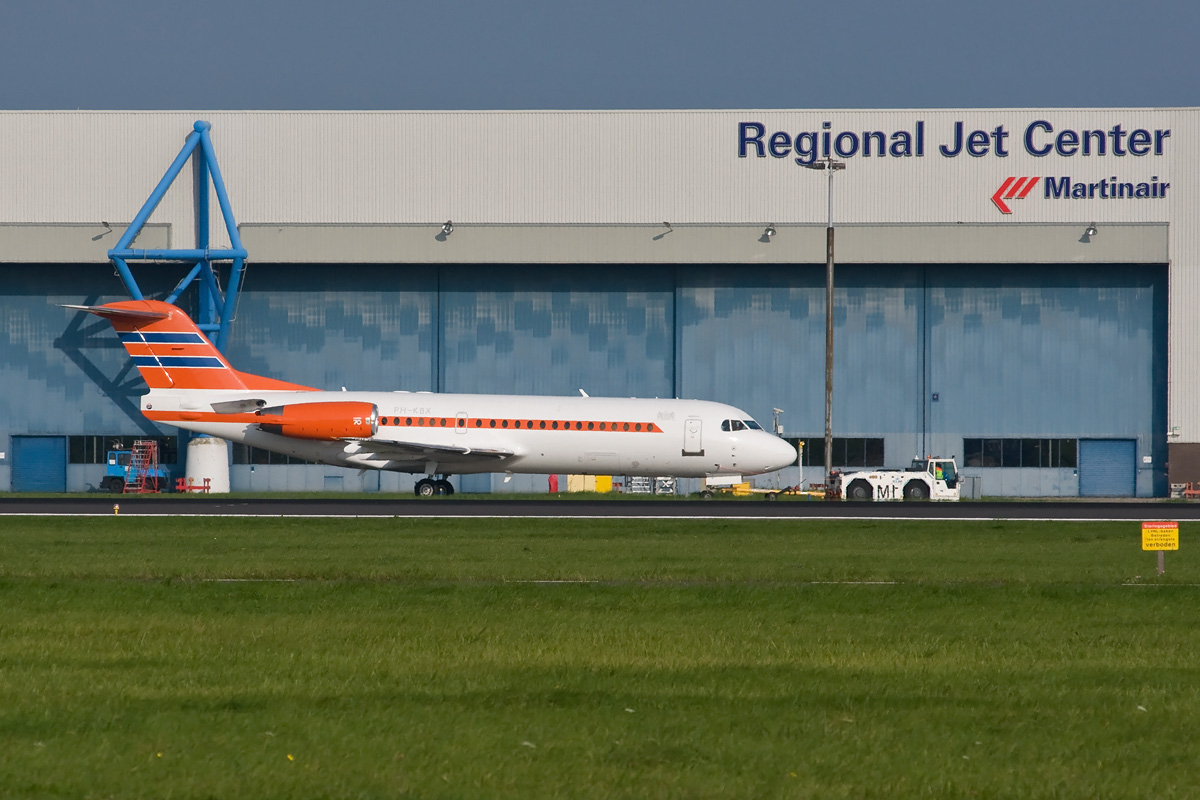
200	416
547	425
481	424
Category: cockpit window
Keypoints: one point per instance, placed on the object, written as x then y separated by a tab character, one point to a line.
733	425
752	425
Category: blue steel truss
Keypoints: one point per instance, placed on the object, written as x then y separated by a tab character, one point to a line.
215	312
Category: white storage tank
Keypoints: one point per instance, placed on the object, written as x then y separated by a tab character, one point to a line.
208	464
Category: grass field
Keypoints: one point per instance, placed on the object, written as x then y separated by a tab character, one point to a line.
220	657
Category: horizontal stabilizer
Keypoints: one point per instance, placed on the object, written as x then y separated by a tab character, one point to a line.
130	314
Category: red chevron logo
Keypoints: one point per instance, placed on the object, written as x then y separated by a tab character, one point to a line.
1013	189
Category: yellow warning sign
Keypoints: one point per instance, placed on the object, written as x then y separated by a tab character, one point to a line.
1160	535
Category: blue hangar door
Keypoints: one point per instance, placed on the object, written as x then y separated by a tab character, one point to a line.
1107	467
39	464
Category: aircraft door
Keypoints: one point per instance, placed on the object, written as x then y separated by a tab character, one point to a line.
692	442
460	422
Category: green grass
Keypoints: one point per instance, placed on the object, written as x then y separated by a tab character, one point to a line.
391	658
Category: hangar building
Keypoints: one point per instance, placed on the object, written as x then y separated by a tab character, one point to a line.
1014	287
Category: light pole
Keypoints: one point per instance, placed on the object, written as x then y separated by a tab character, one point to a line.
830	166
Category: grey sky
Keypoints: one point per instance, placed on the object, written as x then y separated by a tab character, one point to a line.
565	54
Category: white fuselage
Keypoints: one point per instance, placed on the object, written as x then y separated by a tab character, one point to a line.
537	434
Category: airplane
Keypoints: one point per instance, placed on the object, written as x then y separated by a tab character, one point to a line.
193	387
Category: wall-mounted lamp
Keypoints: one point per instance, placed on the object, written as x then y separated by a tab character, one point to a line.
667	225
769	231
448	228
1091	230
107	230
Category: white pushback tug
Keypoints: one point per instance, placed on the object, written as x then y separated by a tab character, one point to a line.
928	478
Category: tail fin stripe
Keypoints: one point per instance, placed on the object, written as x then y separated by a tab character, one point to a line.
204	362
146	337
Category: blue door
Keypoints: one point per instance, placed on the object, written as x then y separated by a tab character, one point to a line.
1107	467
39	464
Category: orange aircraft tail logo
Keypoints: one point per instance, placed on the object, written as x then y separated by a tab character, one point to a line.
172	353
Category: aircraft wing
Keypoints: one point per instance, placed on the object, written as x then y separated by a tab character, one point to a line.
421	451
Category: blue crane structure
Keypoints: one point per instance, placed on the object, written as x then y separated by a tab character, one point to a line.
215	309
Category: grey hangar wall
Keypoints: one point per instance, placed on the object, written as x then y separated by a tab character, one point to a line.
1011	351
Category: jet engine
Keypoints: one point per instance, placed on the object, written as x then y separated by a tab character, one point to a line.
321	421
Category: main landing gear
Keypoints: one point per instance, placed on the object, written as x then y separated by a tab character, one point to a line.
428	487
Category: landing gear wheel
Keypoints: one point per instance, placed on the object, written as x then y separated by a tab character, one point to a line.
425	488
444	487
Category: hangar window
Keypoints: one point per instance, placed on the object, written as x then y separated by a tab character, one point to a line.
244	454
847	452
94	449
1043	453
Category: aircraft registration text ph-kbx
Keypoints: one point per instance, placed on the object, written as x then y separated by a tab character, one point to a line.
193	387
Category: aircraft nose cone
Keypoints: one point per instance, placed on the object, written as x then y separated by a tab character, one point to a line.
779	454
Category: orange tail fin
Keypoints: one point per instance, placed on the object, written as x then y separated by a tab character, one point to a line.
171	352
